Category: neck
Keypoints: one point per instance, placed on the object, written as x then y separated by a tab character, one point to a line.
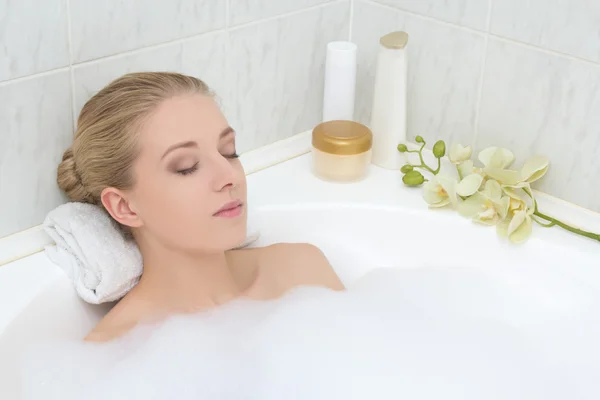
179	282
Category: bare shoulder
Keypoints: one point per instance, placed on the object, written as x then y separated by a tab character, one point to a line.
118	321
297	264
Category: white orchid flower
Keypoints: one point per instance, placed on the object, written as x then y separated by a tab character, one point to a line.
518	228
458	153
535	168
440	191
517	225
488	207
490	194
496	157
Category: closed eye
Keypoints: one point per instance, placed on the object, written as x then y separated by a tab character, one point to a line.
188	171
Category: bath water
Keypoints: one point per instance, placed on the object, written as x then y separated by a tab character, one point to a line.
427	333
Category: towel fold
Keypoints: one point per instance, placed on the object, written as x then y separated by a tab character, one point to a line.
94	253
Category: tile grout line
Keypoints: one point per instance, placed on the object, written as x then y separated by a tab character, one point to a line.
227	61
33	76
287	14
351	21
427	17
216	31
140	50
163	44
486	41
484	33
227	11
545	50
71	70
227	28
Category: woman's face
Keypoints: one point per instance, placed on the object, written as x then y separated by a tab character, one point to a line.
190	187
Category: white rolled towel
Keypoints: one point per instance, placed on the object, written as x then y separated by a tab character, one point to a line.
94	253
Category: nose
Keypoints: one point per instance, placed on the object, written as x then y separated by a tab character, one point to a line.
225	176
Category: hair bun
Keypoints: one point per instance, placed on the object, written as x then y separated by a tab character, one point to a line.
70	181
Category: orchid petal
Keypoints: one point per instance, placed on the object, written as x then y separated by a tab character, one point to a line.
535	168
488	217
458	153
471	206
519	185
516	221
469	185
502	228
442	203
502	158
465	168
430	192
522	231
510	191
496	157
485	155
492	190
502	207
505	176
449	185
439	191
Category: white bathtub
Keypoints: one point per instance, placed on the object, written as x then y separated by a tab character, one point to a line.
361	226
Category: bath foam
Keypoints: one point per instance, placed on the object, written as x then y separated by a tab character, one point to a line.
428	333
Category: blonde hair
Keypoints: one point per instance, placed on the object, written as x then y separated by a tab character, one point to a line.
105	143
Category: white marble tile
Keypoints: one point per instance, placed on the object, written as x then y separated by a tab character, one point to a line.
203	57
242	11
571	27
102	28
33	37
276	69
537	103
35	121
470	13
444	65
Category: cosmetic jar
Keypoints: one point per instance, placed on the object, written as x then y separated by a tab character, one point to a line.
341	150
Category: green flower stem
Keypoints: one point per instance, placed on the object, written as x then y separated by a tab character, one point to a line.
460	177
554	221
423	165
543	224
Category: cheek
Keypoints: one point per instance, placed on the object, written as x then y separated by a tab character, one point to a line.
171	202
186	197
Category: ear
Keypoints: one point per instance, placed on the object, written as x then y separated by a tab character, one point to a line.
119	208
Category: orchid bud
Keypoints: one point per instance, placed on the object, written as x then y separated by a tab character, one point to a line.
406	168
439	149
413	178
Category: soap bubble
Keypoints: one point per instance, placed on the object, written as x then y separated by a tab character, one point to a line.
428	333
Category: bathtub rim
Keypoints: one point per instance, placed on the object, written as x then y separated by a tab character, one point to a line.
33	240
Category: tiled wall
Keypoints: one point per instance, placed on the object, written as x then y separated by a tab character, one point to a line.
524	74
264	58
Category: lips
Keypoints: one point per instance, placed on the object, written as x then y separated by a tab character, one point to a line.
230	210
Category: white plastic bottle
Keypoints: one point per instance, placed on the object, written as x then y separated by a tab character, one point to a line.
340	81
388	116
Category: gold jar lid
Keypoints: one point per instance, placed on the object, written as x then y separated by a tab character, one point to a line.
342	138
394	40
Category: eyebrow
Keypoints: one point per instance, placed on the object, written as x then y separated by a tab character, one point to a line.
190	144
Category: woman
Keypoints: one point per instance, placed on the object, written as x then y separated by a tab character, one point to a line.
155	151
